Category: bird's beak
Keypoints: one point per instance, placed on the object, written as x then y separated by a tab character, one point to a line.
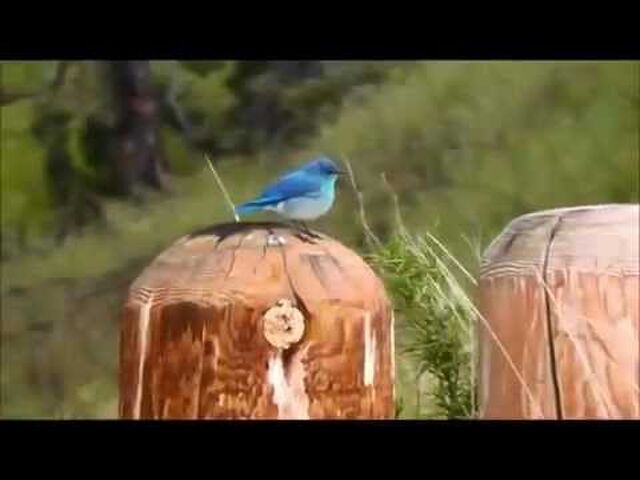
340	173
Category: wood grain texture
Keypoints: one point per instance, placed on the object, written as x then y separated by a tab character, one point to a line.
193	342
560	289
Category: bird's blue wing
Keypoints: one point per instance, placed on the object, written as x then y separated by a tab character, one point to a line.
295	184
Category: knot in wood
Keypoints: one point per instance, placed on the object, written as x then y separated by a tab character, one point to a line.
283	325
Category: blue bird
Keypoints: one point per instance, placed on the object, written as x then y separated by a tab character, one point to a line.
305	193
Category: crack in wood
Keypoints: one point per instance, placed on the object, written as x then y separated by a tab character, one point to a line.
316	265
265	246
552	352
202	355
233	254
337	263
298	299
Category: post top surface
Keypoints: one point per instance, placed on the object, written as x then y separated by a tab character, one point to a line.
260	261
591	237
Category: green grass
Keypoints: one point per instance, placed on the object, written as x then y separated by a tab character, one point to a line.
435	321
435	326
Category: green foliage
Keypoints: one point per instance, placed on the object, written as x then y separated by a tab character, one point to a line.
318	99
203	67
60	307
25	199
468	146
435	322
26	77
280	104
208	101
42	126
180	156
220	107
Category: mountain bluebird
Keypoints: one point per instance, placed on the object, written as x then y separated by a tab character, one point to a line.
302	194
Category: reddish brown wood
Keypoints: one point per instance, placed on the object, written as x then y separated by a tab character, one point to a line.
193	343
575	342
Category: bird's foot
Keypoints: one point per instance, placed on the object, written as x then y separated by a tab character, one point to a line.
306	237
314	235
305	234
310	233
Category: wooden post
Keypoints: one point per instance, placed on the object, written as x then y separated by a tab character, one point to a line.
560	291
250	321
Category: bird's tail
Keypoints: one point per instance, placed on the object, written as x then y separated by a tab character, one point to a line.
253	206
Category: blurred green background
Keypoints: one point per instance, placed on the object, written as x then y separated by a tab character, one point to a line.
102	168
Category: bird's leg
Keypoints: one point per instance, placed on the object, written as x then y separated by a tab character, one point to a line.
308	231
303	233
293	225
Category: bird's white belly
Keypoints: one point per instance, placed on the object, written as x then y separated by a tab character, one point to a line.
304	208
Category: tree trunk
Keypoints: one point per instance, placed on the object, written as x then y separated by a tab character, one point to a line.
138	158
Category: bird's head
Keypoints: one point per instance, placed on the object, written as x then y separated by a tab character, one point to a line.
324	166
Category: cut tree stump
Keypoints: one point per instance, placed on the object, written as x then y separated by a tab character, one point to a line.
251	321
560	291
